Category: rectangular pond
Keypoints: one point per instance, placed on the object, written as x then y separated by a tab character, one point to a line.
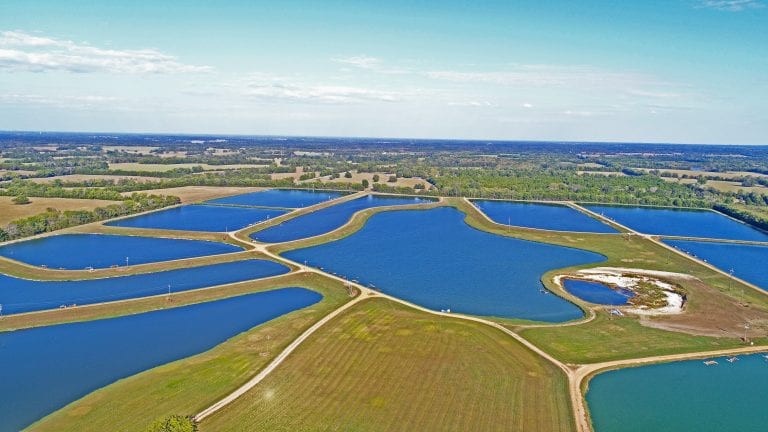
541	216
198	217
22	295
329	218
43	369
748	262
682	396
680	222
284	198
434	259
79	251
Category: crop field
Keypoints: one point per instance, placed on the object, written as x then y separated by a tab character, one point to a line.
10	212
383	366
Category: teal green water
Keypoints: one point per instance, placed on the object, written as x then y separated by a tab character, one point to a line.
682	396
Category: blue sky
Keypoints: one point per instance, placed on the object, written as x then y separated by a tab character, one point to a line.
693	71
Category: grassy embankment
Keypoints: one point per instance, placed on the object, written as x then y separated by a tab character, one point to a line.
187	386
384	366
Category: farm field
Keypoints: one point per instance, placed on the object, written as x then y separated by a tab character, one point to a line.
193	194
130	166
10	211
383	366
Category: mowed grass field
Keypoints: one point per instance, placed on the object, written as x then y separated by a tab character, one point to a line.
381	366
132	166
188	386
9	211
190	194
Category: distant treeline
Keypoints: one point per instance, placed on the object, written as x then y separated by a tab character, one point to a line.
53	219
743	216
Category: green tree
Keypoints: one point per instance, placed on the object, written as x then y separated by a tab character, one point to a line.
174	423
21	199
375	178
365	183
348	175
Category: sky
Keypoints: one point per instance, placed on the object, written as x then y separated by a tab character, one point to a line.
678	71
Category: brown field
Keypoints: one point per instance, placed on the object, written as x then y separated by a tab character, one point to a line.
383	177
692	173
605	173
130	166
87	177
189	194
381	366
9	211
720	185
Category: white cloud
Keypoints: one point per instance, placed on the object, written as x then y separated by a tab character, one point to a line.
361	61
731	5
25	52
472	104
279	88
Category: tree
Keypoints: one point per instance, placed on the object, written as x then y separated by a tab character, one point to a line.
392	179
375	178
348	175
21	199
174	423
365	183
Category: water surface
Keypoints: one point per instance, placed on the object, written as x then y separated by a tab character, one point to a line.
595	292
43	369
541	216
286	198
434	259
748	262
22	295
680	222
328	219
197	217
78	251
682	396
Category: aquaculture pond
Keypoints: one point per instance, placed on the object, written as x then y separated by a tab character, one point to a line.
595	292
79	251
434	259
22	295
747	261
200	218
328	219
43	369
682	396
680	222
541	216
285	198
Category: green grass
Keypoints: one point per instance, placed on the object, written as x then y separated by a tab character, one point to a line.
187	386
383	366
605	339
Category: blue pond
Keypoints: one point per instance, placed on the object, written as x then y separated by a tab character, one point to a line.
595	292
682	396
287	198
327	219
541	216
43	369
434	259
200	218
746	261
78	251
678	222
21	295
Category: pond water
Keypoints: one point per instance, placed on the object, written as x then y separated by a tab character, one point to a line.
200	218
434	259
78	251
286	198
682	396
747	261
43	369
328	219
595	292
22	295
680	222
541	216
